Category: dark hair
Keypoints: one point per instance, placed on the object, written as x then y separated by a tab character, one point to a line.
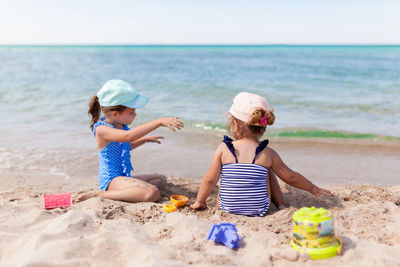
95	110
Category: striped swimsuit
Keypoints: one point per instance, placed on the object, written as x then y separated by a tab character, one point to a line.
244	185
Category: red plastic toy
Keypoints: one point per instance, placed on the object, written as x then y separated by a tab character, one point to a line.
57	200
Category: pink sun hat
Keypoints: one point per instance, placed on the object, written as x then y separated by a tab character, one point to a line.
245	103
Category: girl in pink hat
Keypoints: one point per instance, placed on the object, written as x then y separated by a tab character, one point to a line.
246	166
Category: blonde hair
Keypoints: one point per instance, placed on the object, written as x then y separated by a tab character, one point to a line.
256	125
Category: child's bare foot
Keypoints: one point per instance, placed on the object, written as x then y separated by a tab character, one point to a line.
85	196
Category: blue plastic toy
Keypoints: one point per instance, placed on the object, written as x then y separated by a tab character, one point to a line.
225	233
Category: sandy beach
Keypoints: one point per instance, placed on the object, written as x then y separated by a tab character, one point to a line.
362	175
330	72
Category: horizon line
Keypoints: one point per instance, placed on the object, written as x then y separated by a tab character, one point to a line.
201	44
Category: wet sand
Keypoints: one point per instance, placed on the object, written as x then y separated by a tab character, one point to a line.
324	161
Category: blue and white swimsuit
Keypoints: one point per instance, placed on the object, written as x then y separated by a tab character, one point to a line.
114	159
244	185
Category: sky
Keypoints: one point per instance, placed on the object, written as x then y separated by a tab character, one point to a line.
199	22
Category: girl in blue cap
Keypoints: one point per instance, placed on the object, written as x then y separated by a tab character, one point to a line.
118	101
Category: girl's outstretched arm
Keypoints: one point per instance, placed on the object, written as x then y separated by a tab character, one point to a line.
294	178
146	139
209	181
116	135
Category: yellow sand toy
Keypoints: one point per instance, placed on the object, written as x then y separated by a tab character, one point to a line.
177	201
313	233
169	208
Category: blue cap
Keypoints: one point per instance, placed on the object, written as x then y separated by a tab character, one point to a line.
118	92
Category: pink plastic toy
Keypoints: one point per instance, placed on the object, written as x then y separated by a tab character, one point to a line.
57	201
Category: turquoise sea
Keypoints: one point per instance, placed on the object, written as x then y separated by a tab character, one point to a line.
340	91
317	91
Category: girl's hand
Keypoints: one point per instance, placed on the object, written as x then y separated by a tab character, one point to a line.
153	139
172	123
316	191
198	205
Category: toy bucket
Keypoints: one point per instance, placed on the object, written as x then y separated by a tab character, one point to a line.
313	233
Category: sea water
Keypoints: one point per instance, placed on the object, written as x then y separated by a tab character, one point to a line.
316	91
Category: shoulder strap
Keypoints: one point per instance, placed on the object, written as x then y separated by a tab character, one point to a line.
101	122
260	148
228	143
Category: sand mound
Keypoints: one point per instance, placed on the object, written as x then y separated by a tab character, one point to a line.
101	232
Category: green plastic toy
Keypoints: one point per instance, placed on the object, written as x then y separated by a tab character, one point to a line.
313	233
